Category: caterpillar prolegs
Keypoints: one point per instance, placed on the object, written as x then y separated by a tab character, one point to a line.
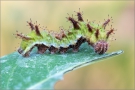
94	34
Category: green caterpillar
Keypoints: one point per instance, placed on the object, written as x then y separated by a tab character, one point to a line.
81	32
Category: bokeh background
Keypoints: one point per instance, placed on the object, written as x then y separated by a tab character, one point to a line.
114	73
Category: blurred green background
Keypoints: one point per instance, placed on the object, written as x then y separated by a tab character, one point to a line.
115	73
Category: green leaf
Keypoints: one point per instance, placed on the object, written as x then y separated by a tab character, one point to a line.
43	71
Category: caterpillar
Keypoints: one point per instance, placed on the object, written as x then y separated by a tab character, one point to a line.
94	34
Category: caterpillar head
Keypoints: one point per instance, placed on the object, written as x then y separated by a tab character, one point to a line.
98	37
101	47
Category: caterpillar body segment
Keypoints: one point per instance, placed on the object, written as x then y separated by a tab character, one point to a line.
81	32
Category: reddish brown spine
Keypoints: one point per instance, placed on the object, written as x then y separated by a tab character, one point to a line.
97	33
106	22
89	27
109	32
74	22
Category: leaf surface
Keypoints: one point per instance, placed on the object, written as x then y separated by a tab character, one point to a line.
43	71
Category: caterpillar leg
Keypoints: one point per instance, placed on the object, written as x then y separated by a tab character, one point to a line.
41	48
27	54
53	50
78	44
63	50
